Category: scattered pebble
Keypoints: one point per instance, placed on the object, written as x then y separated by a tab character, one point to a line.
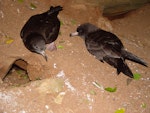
18	10
46	106
55	65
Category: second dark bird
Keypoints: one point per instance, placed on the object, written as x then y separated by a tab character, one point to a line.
41	29
106	46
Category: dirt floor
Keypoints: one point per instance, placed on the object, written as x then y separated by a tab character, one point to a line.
72	81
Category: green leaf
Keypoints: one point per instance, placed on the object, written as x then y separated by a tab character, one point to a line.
143	105
136	76
61	23
60	47
109	89
20	1
32	6
120	110
9	41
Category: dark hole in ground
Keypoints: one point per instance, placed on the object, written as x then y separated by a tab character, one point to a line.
17	75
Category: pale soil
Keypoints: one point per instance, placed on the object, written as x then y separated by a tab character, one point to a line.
67	84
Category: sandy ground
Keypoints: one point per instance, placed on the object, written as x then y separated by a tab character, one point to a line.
73	81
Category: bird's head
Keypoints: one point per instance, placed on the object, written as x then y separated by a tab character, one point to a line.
83	30
36	43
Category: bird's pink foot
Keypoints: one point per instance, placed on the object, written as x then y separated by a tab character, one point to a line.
51	46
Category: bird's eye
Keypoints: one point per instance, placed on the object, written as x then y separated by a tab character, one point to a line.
80	30
35	46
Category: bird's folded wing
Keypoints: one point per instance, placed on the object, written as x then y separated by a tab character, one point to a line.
106	46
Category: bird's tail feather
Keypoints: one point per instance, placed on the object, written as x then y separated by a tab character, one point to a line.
123	67
54	10
134	58
120	65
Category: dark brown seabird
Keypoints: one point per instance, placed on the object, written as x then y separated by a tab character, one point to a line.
106	46
41	29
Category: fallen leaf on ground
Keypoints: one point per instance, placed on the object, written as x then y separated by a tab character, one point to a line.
136	76
120	110
9	41
61	23
109	89
32	6
143	105
60	47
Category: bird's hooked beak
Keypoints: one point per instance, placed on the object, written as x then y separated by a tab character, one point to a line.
74	34
44	55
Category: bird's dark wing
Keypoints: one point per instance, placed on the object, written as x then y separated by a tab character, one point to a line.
101	43
52	30
52	24
33	25
46	26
